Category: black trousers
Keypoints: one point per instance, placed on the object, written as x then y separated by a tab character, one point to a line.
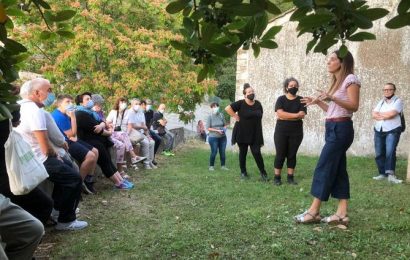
67	187
104	158
287	146
257	155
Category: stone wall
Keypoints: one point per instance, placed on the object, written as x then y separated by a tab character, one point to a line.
386	59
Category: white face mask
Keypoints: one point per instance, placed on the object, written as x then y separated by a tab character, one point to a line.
123	106
215	110
136	108
149	107
161	111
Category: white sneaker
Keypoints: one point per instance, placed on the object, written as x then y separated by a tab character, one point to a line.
147	167
211	168
224	168
380	177
153	166
393	179
73	225
138	159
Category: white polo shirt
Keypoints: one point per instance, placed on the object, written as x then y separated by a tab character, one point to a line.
383	106
137	118
32	119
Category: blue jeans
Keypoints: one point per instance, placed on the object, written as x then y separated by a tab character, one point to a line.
385	144
330	177
217	143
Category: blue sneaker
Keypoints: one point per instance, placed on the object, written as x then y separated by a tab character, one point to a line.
127	182
123	186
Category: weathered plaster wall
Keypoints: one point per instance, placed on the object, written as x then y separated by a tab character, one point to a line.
386	59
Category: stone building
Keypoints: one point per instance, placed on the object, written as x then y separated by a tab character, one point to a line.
386	59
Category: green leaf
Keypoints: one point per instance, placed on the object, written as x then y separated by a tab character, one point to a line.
43	4
66	34
22	57
246	9
221	50
326	42
404	5
311	44
303	3
237	24
362	21
343	51
260	24
321	2
361	36
271	33
272	8
269	44
358	3
63	15
9	24
208	31
44	35
256	49
374	13
3	32
202	74
233	38
179	45
187	11
14	12
188	24
177	6
13	46
399	21
299	13
314	20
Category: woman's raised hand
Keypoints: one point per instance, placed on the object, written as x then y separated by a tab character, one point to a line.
309	101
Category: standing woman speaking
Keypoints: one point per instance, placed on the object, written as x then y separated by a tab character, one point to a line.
289	129
330	177
247	131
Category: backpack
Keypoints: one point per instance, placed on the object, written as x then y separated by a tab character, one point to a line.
403	122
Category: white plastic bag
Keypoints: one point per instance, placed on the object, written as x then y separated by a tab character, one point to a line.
25	171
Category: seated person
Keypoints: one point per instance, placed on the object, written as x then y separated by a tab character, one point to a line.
136	121
149	114
92	131
19	231
200	129
67	181
159	125
82	152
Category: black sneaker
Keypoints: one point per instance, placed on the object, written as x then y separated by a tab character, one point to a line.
154	163
90	187
264	177
277	181
291	180
244	176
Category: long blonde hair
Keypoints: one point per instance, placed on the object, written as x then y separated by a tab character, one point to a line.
346	68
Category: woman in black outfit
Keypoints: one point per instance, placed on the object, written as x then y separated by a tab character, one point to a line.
289	129
247	131
91	130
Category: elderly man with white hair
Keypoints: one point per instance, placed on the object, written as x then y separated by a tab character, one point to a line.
67	181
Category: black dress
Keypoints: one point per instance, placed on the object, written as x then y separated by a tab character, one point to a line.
249	128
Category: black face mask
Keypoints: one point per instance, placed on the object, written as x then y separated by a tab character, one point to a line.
293	91
390	97
251	96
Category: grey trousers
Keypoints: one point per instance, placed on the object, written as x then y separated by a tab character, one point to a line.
19	231
169	137
147	149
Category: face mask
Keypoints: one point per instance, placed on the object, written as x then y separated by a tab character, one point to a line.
90	104
390	97
49	100
161	111
251	96
123	106
149	107
215	110
136	108
293	91
69	108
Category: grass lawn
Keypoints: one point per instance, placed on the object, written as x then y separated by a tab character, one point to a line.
184	211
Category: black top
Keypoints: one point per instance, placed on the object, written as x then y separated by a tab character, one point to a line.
149	115
290	106
249	128
85	128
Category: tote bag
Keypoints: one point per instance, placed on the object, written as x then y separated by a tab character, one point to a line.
25	171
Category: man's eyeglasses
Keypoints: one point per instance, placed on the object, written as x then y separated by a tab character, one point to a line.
389	89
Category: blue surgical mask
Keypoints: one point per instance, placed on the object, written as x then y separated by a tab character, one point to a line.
69	108
89	104
49	100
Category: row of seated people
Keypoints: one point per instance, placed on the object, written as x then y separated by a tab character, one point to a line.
81	135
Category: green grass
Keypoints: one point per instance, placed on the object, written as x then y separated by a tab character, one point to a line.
184	211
